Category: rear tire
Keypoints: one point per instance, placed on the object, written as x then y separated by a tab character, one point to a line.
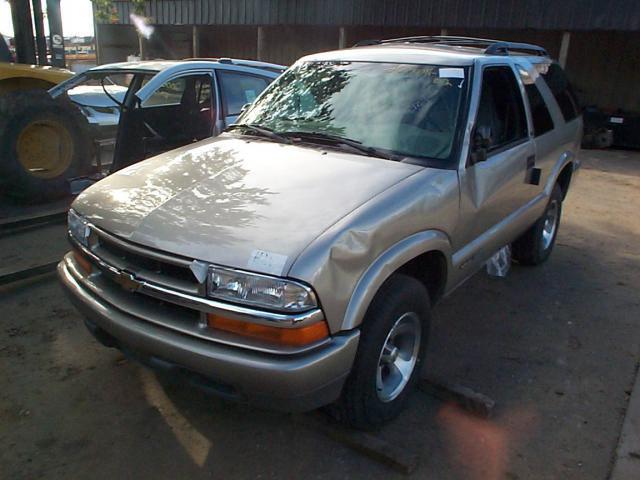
535	245
392	345
43	143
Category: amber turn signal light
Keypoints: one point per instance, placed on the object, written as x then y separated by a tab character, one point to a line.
291	337
82	261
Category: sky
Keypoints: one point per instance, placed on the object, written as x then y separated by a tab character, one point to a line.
77	18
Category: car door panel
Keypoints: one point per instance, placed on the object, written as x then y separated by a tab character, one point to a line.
494	191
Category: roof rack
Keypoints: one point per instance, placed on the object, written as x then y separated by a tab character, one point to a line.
491	47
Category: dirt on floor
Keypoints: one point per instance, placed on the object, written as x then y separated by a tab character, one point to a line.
555	346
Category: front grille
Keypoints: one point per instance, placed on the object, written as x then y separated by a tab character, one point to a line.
145	264
136	262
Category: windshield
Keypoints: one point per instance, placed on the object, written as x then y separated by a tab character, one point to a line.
409	110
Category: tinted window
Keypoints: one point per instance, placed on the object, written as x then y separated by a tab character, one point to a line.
239	89
170	93
561	89
542	122
501	108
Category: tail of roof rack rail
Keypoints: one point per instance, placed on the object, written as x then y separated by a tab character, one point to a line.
491	47
271	67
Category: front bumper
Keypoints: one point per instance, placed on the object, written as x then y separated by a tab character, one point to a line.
293	382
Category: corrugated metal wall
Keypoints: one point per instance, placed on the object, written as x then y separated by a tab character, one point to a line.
504	14
603	60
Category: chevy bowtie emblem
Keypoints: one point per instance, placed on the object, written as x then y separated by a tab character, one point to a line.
127	281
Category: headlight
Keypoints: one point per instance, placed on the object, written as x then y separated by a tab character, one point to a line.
259	290
78	228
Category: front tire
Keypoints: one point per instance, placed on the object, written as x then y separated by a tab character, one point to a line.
392	345
536	244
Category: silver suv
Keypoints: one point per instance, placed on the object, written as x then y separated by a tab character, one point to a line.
293	261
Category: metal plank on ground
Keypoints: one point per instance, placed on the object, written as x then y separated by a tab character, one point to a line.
27	273
19	224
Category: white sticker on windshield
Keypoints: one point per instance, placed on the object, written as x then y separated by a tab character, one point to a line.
250	95
451	72
267	262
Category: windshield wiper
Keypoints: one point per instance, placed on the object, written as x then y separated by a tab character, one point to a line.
337	140
255	129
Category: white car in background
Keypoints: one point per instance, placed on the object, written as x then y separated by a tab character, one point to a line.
114	115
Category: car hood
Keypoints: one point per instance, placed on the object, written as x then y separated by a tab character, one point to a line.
94	96
232	201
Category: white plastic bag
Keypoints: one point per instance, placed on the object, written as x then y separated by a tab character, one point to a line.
500	263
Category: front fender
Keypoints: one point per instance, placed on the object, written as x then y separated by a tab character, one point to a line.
387	263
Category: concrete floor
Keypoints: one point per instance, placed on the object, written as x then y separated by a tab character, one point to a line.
556	346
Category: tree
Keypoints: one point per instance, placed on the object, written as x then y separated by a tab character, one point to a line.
106	12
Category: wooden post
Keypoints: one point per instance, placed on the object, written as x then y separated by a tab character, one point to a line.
260	43
564	49
195	42
141	47
342	38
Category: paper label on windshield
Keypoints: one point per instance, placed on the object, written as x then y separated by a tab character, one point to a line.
267	262
451	72
250	95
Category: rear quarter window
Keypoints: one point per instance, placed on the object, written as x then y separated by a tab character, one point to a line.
560	87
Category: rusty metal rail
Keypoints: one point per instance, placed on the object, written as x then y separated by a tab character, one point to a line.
27	273
12	226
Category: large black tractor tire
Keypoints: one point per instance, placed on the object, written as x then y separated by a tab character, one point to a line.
43	143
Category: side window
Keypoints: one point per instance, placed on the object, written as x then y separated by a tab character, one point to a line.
561	89
542	121
239	88
189	90
170	93
501	108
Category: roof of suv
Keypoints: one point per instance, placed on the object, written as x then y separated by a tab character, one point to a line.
459	51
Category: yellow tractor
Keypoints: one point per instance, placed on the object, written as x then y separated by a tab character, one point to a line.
17	77
37	136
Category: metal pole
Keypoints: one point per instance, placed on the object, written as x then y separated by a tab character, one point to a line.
23	31
40	40
96	40
260	45
55	33
564	49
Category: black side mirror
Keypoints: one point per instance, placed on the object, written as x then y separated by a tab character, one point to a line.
481	142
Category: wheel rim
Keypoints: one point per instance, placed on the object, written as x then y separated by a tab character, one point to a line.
398	357
45	148
550	224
